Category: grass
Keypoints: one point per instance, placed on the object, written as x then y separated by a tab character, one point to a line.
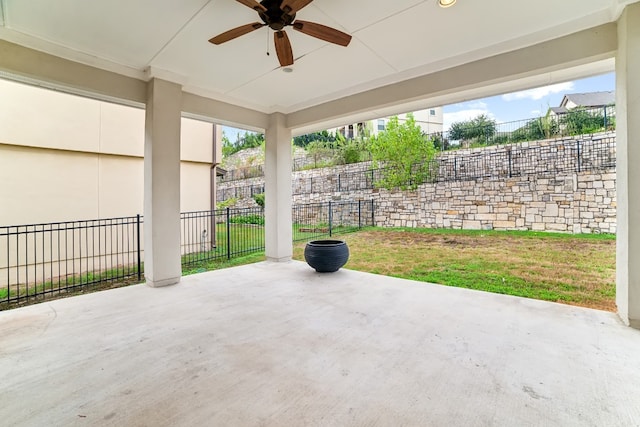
247	246
571	269
217	264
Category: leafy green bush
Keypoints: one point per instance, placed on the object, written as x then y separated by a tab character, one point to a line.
259	198
351	151
304	140
582	121
405	153
247	219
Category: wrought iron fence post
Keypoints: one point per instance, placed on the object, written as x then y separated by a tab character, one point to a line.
373	217
455	167
510	165
359	214
339	183
138	246
228	233
330	220
579	164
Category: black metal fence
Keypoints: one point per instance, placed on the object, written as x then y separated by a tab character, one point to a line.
588	155
47	259
41	260
578	121
572	156
315	220
239	192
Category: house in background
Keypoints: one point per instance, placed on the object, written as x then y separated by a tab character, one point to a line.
585	100
430	120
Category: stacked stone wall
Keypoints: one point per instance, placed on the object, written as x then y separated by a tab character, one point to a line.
570	202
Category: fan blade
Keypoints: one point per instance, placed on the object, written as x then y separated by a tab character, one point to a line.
283	48
236	32
253	4
322	32
293	6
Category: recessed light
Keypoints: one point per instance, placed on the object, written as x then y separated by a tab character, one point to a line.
287	69
446	3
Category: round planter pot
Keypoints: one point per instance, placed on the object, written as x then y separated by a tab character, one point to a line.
326	256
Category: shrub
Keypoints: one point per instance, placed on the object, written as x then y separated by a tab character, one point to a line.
405	153
247	219
259	199
351	151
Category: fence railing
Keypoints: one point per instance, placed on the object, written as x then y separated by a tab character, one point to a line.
578	121
46	259
588	155
41	260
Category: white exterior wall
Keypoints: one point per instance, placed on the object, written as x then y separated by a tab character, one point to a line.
64	157
428	122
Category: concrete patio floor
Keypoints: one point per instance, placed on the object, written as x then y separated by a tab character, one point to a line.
280	345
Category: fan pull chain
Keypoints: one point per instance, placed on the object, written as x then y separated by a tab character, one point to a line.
268	42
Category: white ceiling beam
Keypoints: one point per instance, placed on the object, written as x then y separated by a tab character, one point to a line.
224	113
70	76
576	49
35	67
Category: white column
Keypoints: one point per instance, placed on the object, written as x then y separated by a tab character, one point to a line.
278	160
162	184
628	172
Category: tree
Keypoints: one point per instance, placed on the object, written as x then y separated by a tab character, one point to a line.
227	146
405	152
304	140
478	129
248	140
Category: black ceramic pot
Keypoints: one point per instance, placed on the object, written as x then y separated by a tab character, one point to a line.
326	256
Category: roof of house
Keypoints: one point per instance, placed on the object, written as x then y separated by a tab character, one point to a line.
559	110
590	99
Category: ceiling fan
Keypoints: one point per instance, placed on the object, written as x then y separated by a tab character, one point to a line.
278	14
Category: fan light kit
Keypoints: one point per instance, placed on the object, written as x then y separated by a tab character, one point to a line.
277	14
446	3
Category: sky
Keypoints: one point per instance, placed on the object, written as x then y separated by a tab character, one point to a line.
514	106
525	104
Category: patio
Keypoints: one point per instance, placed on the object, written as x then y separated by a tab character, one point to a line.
405	55
278	344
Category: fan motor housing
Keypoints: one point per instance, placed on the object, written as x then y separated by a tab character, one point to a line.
275	17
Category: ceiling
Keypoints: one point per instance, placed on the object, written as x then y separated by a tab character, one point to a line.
392	41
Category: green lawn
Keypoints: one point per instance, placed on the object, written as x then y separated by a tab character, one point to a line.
572	269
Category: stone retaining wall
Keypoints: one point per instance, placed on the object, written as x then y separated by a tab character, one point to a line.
572	202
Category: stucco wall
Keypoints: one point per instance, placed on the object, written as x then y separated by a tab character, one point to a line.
64	157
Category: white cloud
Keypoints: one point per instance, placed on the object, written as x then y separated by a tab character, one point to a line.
538	93
477	105
536	113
